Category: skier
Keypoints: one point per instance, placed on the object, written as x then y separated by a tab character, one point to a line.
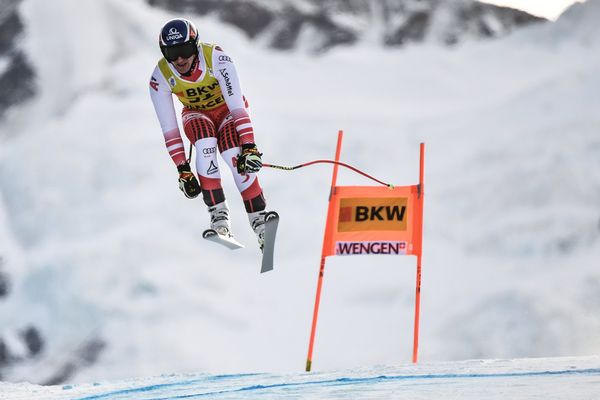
215	117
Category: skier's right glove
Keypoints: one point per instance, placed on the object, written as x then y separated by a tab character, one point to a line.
187	181
249	161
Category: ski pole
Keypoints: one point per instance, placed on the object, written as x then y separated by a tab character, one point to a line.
328	162
191	149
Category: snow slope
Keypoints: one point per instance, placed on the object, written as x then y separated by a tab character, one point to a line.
548	379
105	253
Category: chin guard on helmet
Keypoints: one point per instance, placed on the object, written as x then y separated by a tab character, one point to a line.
178	38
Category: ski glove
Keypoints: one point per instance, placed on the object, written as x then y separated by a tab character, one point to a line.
249	161
187	181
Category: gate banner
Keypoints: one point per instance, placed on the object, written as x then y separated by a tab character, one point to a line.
374	220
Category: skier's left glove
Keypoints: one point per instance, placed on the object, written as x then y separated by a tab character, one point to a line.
249	161
187	181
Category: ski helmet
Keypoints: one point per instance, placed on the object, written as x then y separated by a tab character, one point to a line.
178	38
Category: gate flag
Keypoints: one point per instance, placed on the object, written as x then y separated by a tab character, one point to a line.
374	220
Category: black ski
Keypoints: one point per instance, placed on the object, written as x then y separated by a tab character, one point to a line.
271	222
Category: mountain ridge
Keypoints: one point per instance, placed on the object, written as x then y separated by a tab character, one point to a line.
331	23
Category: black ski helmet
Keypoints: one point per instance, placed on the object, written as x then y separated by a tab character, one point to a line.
178	38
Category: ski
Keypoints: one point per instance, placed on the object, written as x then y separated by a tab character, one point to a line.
227	241
271	222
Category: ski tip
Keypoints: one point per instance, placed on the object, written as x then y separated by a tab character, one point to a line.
270	215
208	233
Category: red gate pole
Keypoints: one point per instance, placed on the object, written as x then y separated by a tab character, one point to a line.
420	236
330	212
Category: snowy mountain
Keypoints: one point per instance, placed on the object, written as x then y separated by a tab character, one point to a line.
17	76
106	276
318	25
313	25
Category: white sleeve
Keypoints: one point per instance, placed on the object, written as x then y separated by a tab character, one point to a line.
227	76
162	98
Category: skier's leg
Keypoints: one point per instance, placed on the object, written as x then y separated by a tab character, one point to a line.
200	130
247	184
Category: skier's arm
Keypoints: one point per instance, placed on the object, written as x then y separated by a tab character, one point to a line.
162	98
226	74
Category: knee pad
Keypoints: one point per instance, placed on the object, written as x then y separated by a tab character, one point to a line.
207	165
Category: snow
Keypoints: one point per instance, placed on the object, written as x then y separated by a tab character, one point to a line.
548	379
102	247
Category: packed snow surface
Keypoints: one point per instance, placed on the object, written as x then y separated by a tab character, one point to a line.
531	379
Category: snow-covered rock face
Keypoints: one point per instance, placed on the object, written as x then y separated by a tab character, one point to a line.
319	25
16	86
580	22
16	73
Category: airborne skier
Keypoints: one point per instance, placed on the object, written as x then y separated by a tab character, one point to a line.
215	116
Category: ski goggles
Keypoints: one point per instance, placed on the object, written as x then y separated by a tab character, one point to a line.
184	50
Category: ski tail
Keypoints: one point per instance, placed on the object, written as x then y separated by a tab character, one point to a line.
271	224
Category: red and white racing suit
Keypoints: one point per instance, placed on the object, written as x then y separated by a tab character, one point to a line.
214	117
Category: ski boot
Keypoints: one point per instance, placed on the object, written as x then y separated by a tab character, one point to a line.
257	222
219	219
